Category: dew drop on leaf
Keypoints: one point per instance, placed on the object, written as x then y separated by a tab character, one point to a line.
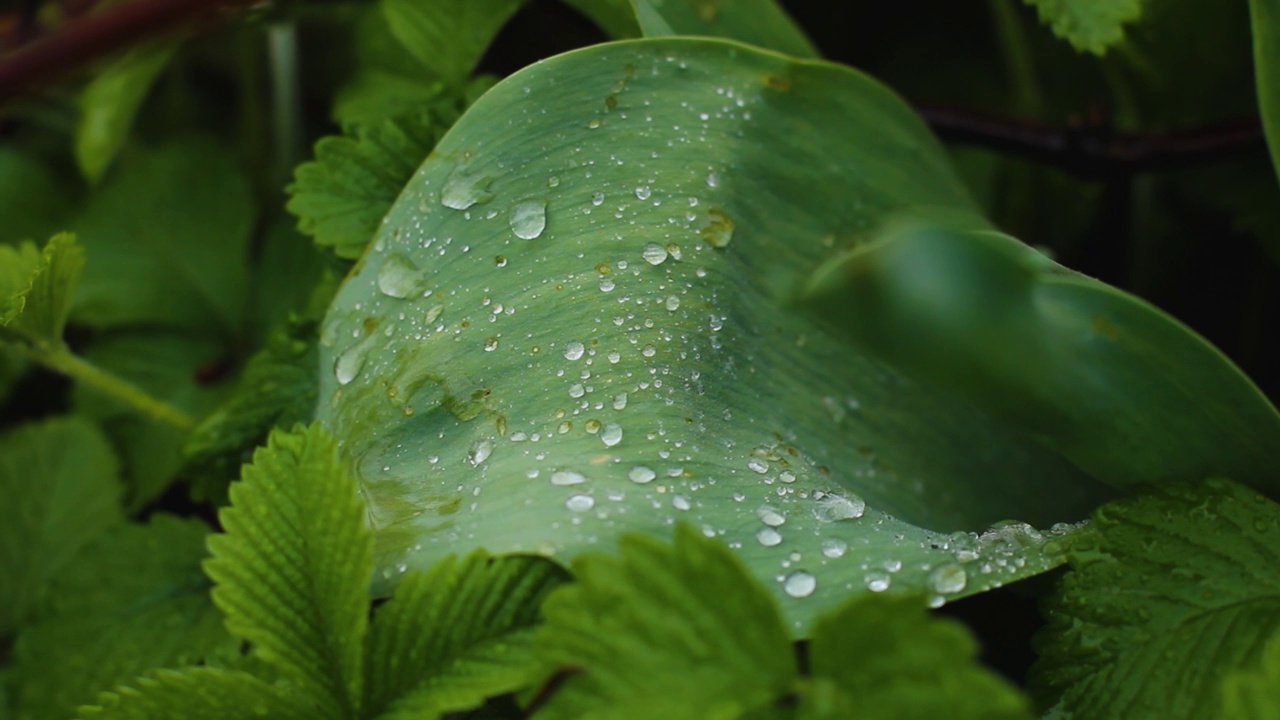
768	537
654	254
528	219
398	277
349	363
611	434
948	579
836	507
462	190
580	503
567	477
641	474
834	548
800	584
770	516
479	452
643	192
573	351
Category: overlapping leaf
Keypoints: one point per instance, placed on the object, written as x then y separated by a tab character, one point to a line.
110	101
1265	16
36	287
758	22
1178	592
448	36
199	693
133	602
293	566
1254	693
1089	25
61	491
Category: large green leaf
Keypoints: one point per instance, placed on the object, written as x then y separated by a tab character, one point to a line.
577	321
198	693
60	488
455	635
133	602
110	101
1175	591
1265	16
759	22
1123	390
292	569
615	17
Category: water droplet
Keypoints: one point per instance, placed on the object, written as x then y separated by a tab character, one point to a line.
948	579
528	219
718	231
837	507
673	303
580	503
398	277
800	584
769	537
350	362
713	180
648	351
877	582
641	474
462	190
643	192
479	452
680	502
573	351
620	401
758	465
576	390
654	254
553	181
769	515
597	198
567	477
611	435
834	548
490	344
434	313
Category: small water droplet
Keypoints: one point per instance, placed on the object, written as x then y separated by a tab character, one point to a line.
434	313
479	452
948	579
462	190
567	477
769	515
877	582
528	219
769	537
654	254
611	434
680	502
834	548
576	390
574	350
490	344
713	179
643	192
580	503
398	277
673	303
641	474
800	584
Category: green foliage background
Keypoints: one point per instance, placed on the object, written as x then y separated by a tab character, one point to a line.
386	360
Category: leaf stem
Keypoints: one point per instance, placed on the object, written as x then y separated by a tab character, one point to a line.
62	360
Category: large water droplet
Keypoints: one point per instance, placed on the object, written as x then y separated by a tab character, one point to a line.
580	503
654	254
462	190
877	581
350	362
528	219
641	474
611	434
433	313
768	537
398	277
948	579
834	548
479	452
643	192
769	515
837	507
567	477
573	351
800	584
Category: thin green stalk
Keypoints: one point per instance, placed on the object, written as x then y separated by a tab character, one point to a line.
286	98
64	361
1018	60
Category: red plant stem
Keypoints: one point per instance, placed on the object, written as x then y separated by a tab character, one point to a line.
90	37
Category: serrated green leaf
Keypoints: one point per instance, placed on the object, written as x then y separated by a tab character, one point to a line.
884	657
989	319
341	197
133	602
36	287
758	22
455	635
198	693
1178	590
293	568
448	36
1089	25
166	239
616	17
61	491
110	101
494	391
1254	693
1265	20
663	631
167	365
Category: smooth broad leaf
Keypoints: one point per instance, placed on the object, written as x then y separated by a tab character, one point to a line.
1089	25
1177	590
61	490
1118	387
133	602
1254	693
448	36
615	17
881	657
168	366
35	195
36	287
341	197
663	631
455	635
166	238
1265	19
198	693
110	101
577	321
757	22
292	570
